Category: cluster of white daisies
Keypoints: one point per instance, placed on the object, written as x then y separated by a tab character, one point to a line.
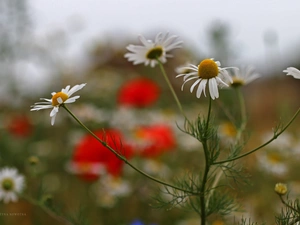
208	74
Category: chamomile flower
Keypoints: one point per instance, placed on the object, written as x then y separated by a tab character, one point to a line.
11	183
208	72
58	99
243	76
150	51
293	72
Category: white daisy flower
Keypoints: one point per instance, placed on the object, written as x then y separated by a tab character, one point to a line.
57	100
243	76
293	72
208	71
11	183
273	162
150	51
109	189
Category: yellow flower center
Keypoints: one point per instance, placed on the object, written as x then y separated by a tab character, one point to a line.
59	98
237	82
275	157
228	129
7	184
208	69
154	53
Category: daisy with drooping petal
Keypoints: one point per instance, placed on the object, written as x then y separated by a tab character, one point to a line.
243	76
293	72
57	100
207	72
11	183
150	51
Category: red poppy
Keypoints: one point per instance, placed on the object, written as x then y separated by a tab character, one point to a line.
20	126
155	139
140	92
90	156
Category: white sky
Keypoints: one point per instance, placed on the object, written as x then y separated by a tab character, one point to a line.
249	19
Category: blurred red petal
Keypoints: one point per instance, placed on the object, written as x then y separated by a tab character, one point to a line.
159	138
20	126
91	151
140	92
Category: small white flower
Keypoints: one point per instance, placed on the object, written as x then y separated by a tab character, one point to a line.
109	189
57	100
150	51
11	183
293	72
208	71
243	76
273	162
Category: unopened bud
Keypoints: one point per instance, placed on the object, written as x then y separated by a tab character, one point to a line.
281	188
33	160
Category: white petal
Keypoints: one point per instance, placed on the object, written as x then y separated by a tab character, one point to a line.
59	100
53	111
74	89
191	78
73	99
221	81
201	88
66	89
194	84
293	72
53	120
146	43
39	107
213	88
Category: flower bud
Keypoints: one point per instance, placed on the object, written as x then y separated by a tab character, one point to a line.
280	188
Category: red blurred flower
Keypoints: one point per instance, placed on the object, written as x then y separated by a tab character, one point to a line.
155	140
90	156
19	126
140	92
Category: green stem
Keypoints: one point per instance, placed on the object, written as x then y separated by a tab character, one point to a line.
208	116
121	157
46	209
207	167
287	205
263	145
243	114
238	136
170	86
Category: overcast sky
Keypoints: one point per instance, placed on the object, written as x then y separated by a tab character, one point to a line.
249	19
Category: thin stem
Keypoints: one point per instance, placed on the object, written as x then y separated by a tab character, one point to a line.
170	86
121	157
208	116
287	205
46	209
238	136
207	167
263	145
243	114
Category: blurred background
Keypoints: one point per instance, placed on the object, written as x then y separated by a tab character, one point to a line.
47	45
